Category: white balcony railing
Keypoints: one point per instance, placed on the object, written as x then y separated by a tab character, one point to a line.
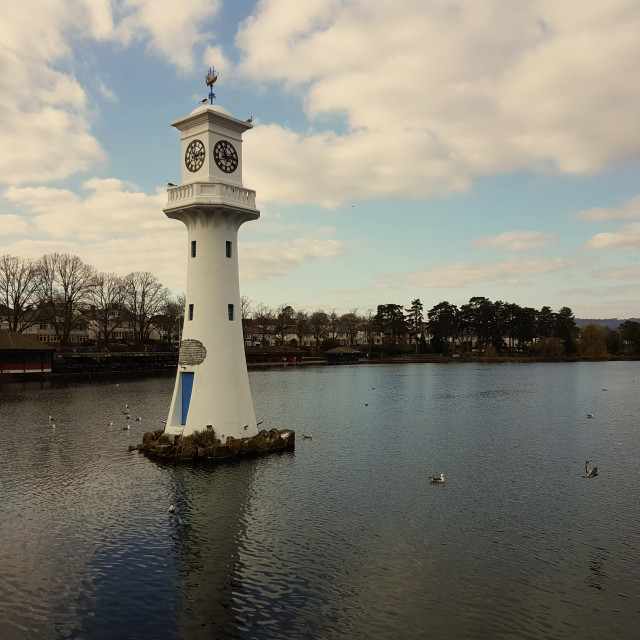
211	192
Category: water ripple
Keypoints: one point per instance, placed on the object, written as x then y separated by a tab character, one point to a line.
345	537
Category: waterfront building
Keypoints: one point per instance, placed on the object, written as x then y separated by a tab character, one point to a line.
19	354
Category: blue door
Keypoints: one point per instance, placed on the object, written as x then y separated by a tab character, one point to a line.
187	386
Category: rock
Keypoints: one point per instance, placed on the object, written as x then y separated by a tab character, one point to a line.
264	442
221	451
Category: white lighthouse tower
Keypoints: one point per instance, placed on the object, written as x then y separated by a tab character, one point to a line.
212	386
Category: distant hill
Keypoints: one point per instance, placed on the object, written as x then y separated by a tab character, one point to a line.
610	323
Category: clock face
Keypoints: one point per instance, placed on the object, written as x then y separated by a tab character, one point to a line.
226	156
194	156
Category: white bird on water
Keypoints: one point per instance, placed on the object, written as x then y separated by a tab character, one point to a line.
171	509
436	480
589	415
127	428
307	436
591	472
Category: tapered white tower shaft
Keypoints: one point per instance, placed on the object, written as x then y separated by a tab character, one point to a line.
212	386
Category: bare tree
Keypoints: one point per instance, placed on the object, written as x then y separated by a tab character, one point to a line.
19	285
349	323
65	283
169	321
246	308
369	327
301	325
334	323
284	321
144	298
263	322
105	298
319	321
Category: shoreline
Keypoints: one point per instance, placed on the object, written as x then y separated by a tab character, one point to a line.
90	375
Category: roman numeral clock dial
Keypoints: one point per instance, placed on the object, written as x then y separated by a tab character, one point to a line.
194	156
225	156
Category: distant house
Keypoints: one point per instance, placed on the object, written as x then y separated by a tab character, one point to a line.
19	354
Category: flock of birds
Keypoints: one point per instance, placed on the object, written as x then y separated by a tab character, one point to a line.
126	413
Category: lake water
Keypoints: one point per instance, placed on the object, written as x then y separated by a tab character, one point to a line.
345	538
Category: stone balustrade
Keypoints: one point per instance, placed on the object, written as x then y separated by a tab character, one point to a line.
211	192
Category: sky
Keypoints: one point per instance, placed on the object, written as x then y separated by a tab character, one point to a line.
404	149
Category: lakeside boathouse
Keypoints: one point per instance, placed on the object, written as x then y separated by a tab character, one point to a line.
19	354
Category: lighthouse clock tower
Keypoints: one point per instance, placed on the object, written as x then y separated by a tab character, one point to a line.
212	386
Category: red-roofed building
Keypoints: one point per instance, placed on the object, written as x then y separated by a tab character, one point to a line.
19	354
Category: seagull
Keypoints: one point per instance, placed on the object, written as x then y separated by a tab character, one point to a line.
127	428
249	119
246	426
171	509
204	100
53	425
51	418
138	419
170	184
307	436
591	472
589	415
111	424
436	480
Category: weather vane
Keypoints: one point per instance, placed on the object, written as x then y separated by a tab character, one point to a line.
212	76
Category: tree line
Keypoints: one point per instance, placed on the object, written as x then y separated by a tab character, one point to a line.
61	290
499	327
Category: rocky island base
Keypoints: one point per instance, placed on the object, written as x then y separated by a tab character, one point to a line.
206	446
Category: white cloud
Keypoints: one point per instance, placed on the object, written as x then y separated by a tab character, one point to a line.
435	94
107	94
12	225
630	209
515	241
110	209
626	238
262	260
508	272
116	227
618	273
171	30
43	111
214	56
